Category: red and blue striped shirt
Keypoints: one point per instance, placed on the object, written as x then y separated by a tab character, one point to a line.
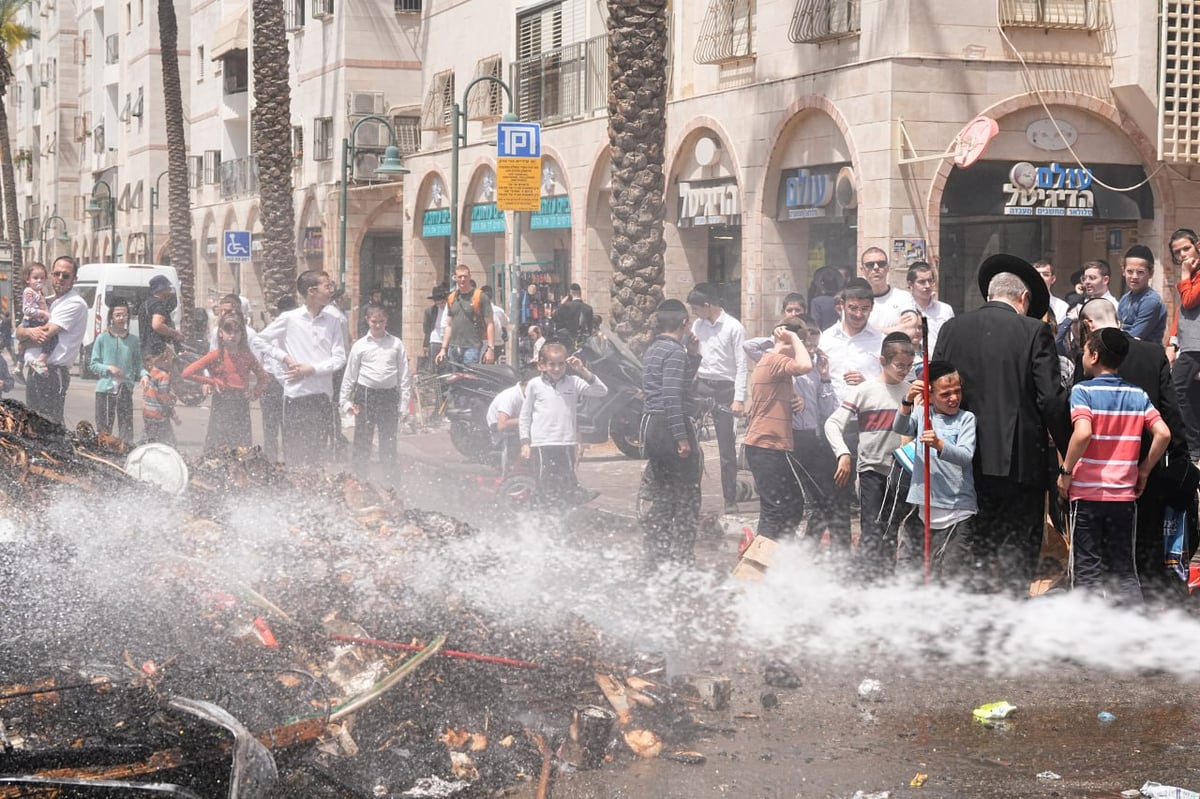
1120	413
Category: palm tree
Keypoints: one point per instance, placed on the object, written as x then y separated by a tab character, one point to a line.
637	134
272	122
13	34
178	196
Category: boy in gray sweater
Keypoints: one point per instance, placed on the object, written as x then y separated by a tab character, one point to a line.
548	423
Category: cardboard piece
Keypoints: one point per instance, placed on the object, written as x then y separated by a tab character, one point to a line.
756	559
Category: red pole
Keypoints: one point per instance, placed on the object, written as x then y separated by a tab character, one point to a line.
928	426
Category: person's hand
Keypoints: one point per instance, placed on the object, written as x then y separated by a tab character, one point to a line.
1064	485
930	438
854	378
489	356
575	365
525	452
916	391
842	476
1187	266
1141	482
441	356
350	407
798	405
1172	354
684	448
38	335
117	372
298	371
691	343
822	364
737	408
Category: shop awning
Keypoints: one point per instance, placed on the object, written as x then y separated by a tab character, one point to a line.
233	34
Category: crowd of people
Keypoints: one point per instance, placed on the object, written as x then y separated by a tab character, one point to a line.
1033	411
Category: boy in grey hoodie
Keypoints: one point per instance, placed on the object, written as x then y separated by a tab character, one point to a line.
952	504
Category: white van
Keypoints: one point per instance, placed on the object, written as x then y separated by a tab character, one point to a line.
100	284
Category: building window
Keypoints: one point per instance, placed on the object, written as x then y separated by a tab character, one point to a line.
487	99
236	71
408	134
439	103
1178	99
202	62
298	142
293	14
538	69
725	33
323	139
98	139
112	48
408	6
1068	14
212	166
195	170
824	20
322	9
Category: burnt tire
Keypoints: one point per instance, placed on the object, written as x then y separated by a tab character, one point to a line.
517	493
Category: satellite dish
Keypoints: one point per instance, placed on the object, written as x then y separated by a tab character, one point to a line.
973	140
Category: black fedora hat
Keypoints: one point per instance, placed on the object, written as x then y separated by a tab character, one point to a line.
1039	295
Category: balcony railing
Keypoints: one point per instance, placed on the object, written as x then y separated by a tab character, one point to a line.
562	84
112	48
239	177
824	20
1062	14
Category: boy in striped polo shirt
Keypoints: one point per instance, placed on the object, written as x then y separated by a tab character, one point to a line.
1100	473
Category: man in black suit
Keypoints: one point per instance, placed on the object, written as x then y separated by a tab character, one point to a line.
573	321
1147	368
1011	382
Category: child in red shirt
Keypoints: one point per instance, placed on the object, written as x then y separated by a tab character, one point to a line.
229	368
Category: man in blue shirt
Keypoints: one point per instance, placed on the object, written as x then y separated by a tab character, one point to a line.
1142	312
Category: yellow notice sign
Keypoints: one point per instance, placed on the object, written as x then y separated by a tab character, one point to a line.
519	184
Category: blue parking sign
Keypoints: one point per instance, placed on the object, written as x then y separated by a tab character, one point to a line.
237	245
518	140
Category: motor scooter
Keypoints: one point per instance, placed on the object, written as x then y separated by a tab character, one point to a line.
469	390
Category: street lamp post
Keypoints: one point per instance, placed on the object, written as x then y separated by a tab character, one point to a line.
458	138
62	234
154	195
389	166
95	209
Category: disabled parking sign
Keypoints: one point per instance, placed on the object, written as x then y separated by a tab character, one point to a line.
237	245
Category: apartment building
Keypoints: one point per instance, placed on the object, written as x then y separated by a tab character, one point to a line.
800	132
88	131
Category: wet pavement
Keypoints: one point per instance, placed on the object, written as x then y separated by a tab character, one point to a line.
937	655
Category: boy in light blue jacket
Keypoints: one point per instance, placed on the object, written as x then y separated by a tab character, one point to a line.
952	504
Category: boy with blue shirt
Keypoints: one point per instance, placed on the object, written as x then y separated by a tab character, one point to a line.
952	503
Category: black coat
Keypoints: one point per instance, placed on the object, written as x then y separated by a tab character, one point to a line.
1011	382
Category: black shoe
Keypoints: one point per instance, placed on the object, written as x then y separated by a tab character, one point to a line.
731	509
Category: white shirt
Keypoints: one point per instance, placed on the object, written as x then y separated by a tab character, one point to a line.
1108	295
937	314
500	320
886	311
70	313
1059	307
721	353
319	341
846	353
507	402
376	363
439	327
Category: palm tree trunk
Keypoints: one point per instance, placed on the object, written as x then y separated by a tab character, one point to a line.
637	133
178	193
273	135
12	221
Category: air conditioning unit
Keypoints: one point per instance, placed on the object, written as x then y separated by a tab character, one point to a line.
364	103
365	165
371	133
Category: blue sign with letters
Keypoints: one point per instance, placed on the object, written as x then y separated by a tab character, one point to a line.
237	245
518	140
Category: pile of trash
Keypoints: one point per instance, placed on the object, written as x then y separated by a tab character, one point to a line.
152	642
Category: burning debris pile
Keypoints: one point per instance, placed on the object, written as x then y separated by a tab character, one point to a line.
269	634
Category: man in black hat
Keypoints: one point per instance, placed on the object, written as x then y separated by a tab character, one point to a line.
671	481
434	322
1011	382
154	317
